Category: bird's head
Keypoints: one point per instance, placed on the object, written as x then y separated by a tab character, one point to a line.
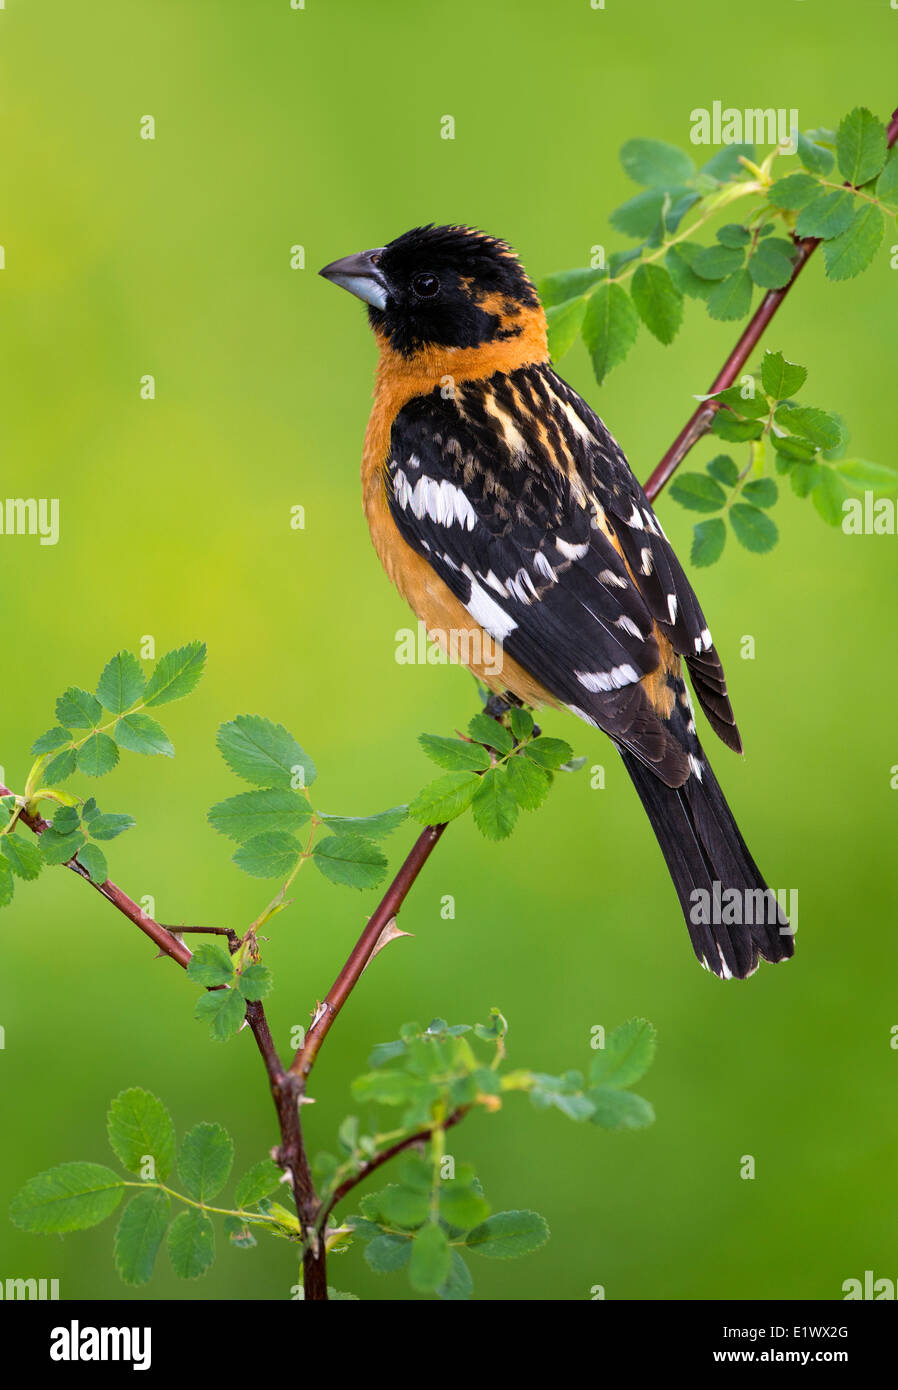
437	292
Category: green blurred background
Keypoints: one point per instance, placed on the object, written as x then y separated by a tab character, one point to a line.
321	127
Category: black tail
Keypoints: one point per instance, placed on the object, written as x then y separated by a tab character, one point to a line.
707	856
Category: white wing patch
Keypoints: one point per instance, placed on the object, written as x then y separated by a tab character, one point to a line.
442	501
607	680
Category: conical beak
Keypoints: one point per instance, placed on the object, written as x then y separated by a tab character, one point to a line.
360	275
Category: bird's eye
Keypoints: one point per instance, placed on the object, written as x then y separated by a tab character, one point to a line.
426	286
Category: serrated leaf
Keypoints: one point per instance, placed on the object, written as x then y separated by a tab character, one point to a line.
210	965
753	528
66	818
770	266
261	1180
455	754
59	849
827	215
708	538
176	674
50	741
444	799
402	1205
462	1206
658	301
521	722
725	164
270	855
818	426
267	810
684	277
733	235
23	856
816	158
717	262
724	469
850	253
494	805
491	732
191	1244
508	1234
205	1160
224	1011
121	684
565	285
753	407
141	734
860	146
780	378
106	825
375	827
609	327
620	1109
761	492
564	322
549	752
431	1259
887	183
639	216
59	768
351	860
139	1236
92	858
793	192
72	1197
627	1055
97	756
139	1126
698	492
387	1253
264	753
78	709
255	982
655	164
731	298
527	782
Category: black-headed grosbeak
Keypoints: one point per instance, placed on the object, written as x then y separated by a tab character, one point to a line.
499	503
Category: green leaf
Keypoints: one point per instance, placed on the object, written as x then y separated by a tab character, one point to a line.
268	810
402	1205
191	1244
351	860
50	741
455	753
771	264
527	782
375	827
731	299
121	684
640	216
106	825
495	807
176	674
828	496
850	254
754	407
564	322
723	468
59	849
445	798
139	1126
627	1055
860	146
508	1234
716	262
210	965
92	858
224	1011
261	1180
431	1259
816	425
239	1233
887	183
794	192
462	1206
549	752
565	285
754	529
270	855
255	982
780	378
97	756
791	449
655	164
66	818
59	768
387	1253
491	732
264	753
816	158
860	474
23	856
804	477
139	1236
141	734
610	327
72	1197
708	538
761	492
521	722
733	235
725	164
684	277
205	1161
620	1109
827	215
658	301
77	709
698	492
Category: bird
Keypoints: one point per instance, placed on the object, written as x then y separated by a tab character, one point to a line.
504	510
